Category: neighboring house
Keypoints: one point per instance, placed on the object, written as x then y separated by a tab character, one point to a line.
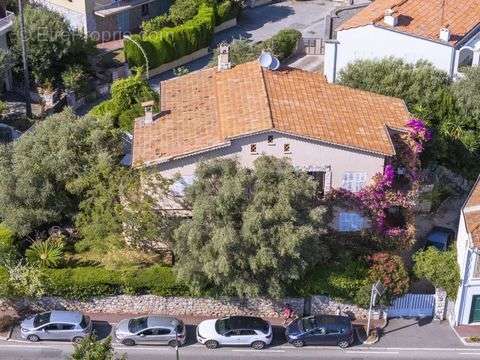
467	306
107	20
6	23
339	135
443	32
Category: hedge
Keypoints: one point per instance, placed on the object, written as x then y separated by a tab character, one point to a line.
87	282
227	10
172	43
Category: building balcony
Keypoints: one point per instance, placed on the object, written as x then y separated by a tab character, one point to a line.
109	8
6	22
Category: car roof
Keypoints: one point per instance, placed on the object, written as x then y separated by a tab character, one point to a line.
332	319
72	317
439	234
163	321
247	322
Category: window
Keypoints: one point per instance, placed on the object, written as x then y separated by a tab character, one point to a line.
156	331
270	139
41	319
145	10
354	181
253	148
465	59
59	327
476	269
286	148
247	332
350	221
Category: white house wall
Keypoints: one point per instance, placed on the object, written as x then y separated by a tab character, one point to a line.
305	154
371	42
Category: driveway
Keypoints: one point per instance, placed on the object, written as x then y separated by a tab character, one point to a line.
423	333
260	23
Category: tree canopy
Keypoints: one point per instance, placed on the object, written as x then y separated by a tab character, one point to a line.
52	44
45	174
439	267
252	232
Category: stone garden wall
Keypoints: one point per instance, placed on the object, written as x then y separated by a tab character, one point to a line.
194	306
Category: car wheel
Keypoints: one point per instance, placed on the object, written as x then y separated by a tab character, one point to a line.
258	345
128	342
298	343
343	344
33	338
211	344
77	339
174	343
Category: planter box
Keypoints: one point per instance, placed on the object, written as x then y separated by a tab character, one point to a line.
225	25
179	62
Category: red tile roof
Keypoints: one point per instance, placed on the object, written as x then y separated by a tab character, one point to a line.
207	108
422	17
471	213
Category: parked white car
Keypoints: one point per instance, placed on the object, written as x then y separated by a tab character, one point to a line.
235	330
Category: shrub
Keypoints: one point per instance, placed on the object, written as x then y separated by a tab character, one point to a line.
182	11
127	118
87	282
227	10
390	270
48	253
75	79
6	322
439	267
8	248
90	348
283	43
155	24
169	44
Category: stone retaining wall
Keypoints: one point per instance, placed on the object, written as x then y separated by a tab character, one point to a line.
193	306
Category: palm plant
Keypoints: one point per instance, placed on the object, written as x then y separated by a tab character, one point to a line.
46	253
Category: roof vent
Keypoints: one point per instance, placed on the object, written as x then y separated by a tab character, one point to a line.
148	107
268	61
444	34
390	18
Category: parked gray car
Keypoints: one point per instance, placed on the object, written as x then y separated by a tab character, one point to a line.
152	329
56	325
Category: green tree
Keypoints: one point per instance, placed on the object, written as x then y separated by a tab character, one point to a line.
52	44
6	61
252	232
438	267
92	349
43	172
391	271
8	247
467	93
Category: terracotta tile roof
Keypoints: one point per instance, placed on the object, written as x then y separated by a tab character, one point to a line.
422	17
471	213
207	108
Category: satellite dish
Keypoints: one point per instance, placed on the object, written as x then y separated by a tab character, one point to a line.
265	59
275	64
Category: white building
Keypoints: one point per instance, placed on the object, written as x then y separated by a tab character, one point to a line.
443	32
341	136
6	23
467	306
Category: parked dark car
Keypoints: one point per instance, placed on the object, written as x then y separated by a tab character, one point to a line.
440	237
321	330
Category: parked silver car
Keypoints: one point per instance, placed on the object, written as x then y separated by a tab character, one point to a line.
152	329
56	325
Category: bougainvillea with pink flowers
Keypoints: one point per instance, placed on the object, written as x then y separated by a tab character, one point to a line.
386	190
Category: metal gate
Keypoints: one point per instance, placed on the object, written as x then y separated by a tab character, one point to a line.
314	46
412	305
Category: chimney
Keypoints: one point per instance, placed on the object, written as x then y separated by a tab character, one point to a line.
223	57
390	18
148	107
444	34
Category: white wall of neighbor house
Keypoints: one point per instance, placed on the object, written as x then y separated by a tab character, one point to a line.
372	42
305	154
469	266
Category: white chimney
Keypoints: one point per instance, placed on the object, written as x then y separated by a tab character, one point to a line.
148	107
444	34
224	57
390	18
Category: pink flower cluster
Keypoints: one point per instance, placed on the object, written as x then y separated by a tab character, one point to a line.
419	134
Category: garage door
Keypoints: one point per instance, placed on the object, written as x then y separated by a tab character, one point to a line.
412	305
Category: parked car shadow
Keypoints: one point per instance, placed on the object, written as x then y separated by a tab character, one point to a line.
102	329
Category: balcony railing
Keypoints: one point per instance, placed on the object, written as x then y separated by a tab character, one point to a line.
7	21
106	8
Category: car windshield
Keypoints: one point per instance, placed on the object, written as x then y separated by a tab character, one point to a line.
41	319
136	325
309	323
84	322
223	325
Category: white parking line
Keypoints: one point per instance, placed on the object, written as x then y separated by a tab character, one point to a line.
371	352
257	351
468	353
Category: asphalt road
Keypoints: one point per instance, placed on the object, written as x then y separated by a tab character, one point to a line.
53	351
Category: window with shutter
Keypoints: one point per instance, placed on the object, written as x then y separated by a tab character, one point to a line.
350	221
354	181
